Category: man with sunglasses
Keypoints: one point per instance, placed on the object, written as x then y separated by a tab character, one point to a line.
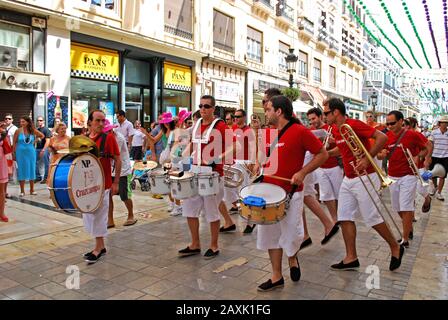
354	198
208	150
403	191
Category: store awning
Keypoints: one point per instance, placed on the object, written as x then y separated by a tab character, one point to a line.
316	94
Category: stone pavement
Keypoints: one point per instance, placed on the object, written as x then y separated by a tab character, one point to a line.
39	243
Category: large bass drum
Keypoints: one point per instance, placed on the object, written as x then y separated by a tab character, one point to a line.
77	183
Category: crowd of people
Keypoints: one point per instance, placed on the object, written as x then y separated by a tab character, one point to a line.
311	164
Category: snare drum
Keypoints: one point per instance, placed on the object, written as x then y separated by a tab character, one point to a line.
77	183
208	183
159	182
263	203
184	187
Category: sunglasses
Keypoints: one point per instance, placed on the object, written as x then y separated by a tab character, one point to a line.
326	113
370	116
8	118
40	120
391	123
237	117
206	106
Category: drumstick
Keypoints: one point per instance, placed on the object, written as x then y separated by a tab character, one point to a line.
278	178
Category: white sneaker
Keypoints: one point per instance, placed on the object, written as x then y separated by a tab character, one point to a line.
432	188
171	206
176	211
439	196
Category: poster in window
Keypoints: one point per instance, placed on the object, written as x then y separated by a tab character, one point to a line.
80	113
57	108
172	110
108	108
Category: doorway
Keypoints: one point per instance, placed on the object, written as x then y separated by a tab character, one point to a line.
137	104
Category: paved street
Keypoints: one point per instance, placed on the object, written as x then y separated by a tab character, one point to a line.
38	244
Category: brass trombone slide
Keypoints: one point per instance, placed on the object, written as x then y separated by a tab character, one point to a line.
413	166
359	151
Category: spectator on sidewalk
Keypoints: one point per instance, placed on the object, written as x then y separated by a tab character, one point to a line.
126	128
10	130
42	154
5	149
58	142
138	142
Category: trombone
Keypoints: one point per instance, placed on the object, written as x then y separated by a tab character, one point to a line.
327	137
413	166
359	151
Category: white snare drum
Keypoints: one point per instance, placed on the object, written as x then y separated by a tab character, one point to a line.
184	187
159	182
263	203
208	183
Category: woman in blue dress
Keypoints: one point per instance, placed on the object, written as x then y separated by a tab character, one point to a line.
24	153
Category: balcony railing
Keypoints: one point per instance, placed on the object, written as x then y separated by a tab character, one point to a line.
224	47
286	11
324	37
179	32
306	25
265	2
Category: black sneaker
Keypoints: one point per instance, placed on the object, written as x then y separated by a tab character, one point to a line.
268	285
234	210
91	259
188	252
294	272
328	237
210	254
306	243
396	262
249	229
228	229
354	265
103	251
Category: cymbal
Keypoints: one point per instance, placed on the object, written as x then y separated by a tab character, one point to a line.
148	166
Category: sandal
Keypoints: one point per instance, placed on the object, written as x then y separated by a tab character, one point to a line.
130	222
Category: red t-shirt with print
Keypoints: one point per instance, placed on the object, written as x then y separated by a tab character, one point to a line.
111	149
289	153
364	133
398	164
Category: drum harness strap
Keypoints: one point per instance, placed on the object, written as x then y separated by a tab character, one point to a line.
103	154
202	139
271	149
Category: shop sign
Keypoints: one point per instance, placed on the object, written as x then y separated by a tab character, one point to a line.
94	63
177	77
226	91
24	81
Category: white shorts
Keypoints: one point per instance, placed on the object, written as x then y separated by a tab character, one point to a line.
354	200
286	234
329	183
191	208
422	190
403	192
309	184
96	223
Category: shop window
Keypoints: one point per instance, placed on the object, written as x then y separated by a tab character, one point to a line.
254	44
223	31
15	46
88	95
174	101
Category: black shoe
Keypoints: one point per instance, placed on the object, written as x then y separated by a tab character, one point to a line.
234	210
396	262
103	251
328	237
249	229
91	258
228	229
210	254
426	208
354	265
405	244
294	272
306	243
188	252
268	285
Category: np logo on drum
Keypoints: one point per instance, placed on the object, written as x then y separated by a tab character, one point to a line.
86	163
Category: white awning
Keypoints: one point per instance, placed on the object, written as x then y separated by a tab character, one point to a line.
300	106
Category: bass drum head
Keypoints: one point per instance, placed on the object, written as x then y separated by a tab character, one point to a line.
271	193
86	180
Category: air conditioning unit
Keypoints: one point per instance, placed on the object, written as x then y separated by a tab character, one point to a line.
8	57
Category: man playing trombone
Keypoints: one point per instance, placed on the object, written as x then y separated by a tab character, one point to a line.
401	148
358	193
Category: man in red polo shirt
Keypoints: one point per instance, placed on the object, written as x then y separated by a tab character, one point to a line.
403	191
96	222
286	161
353	197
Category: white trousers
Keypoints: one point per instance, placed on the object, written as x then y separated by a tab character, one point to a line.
330	181
96	223
192	207
286	234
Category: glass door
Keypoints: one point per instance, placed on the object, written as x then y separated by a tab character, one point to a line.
134	104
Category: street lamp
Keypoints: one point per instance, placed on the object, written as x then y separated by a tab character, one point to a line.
291	60
373	101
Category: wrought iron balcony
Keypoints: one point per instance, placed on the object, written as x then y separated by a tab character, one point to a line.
265	2
305	24
178	32
283	10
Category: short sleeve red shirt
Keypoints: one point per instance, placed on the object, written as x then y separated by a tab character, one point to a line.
332	161
244	136
289	153
364	132
398	164
213	148
111	149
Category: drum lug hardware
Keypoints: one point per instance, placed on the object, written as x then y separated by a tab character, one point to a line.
210	181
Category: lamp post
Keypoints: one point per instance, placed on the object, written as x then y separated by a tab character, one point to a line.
291	60
373	101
